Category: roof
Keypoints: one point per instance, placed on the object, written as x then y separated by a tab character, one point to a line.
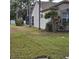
54	5
62	2
46	5
51	8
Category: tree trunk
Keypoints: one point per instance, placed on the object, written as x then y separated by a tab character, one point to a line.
53	25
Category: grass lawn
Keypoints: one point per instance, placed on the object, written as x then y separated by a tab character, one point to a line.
28	43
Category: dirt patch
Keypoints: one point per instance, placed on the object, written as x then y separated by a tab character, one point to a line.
13	30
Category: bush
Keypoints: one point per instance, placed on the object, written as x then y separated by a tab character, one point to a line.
19	22
49	27
50	14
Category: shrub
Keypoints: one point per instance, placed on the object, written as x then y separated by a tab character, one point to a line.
50	14
49	27
19	22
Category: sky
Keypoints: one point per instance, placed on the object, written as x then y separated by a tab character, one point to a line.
53	1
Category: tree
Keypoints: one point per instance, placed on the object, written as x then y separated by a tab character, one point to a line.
13	6
54	18
16	11
18	7
27	5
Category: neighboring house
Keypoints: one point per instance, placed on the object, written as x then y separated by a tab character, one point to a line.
35	14
63	11
12	21
61	7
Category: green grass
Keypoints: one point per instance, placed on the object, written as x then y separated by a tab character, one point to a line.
28	43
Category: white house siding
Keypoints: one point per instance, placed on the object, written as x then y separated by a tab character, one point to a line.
36	15
44	21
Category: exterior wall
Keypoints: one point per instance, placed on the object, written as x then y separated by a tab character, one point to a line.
44	21
36	15
62	8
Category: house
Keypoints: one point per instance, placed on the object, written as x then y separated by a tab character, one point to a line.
35	14
61	7
12	21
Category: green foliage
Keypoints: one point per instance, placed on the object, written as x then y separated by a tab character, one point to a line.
12	15
19	22
13	6
16	5
51	14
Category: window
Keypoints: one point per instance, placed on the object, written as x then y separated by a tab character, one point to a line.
27	20
32	20
65	21
65	16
